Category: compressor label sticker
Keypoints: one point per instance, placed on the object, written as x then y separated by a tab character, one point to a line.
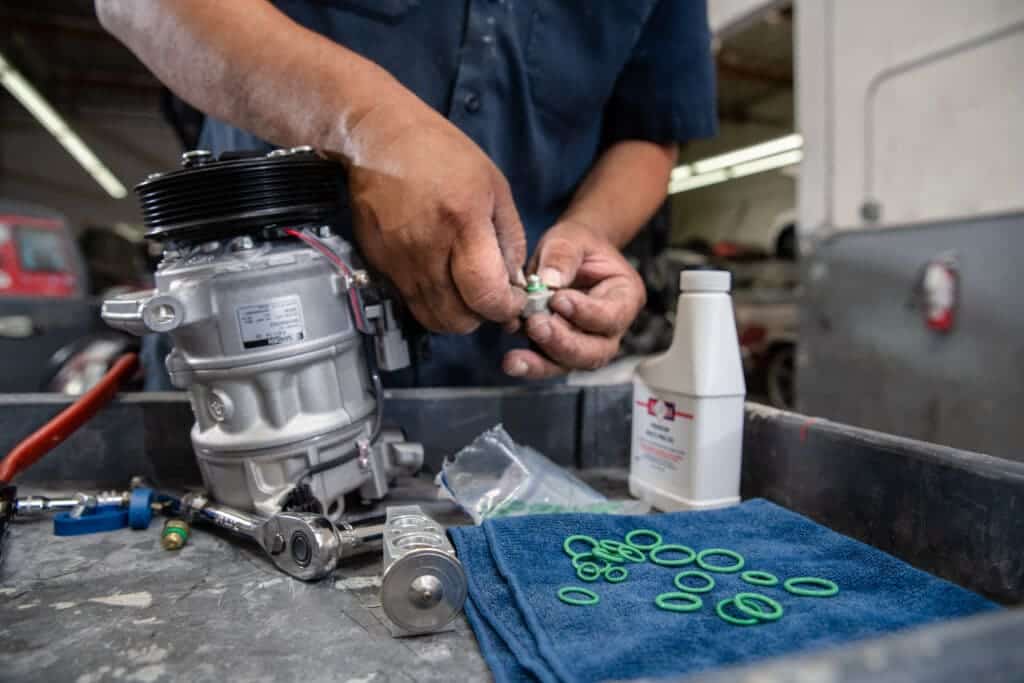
661	430
278	321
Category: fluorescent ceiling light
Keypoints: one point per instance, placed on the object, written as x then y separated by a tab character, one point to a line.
681	172
767	163
766	156
684	184
30	98
739	156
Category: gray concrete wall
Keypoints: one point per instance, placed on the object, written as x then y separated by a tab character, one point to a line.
867	358
911	105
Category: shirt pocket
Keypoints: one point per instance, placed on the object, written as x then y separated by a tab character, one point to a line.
575	51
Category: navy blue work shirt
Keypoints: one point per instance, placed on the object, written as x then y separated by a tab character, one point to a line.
542	86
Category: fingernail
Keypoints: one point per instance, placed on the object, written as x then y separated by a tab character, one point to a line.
551	277
517	368
520	278
541	330
562	305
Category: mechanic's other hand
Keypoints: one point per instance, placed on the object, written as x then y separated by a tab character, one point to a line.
435	215
588	320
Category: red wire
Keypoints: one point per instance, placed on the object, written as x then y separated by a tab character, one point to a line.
54	432
353	296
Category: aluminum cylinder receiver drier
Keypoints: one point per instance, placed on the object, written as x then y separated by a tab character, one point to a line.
423	585
272	323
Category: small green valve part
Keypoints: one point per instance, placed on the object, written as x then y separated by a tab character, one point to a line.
175	534
534	284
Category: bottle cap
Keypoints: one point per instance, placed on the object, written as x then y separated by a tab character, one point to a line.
705	281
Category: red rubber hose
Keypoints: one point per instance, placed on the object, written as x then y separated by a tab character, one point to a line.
50	435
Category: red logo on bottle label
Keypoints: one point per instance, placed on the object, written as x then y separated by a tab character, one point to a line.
663	410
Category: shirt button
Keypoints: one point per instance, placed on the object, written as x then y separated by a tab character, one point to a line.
471	102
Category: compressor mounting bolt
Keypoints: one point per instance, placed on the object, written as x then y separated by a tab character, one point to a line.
219	406
196	157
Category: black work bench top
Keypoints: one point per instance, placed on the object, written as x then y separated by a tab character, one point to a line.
117	607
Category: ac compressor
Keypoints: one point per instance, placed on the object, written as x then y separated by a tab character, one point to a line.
272	323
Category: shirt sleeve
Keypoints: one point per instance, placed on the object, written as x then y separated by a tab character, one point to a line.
666	91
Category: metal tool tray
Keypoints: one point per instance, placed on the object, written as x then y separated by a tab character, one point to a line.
219	610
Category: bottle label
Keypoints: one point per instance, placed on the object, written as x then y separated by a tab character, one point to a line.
661	429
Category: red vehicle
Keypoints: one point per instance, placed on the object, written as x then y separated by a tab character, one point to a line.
37	258
43	302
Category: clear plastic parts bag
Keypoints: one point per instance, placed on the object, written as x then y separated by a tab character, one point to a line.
496	477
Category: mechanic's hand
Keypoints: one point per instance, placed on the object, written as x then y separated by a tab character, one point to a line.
590	318
435	215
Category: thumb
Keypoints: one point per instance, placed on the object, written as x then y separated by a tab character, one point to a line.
509	230
558	259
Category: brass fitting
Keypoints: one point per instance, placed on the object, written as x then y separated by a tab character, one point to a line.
175	534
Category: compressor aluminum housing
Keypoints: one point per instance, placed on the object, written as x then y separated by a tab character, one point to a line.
264	332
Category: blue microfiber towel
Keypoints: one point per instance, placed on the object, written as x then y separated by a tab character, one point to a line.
516	566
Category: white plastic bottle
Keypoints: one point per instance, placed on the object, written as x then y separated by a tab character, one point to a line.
688	404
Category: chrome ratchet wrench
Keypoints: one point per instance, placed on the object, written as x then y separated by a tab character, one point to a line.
304	545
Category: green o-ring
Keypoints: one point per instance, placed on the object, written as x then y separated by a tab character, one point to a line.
726	569
610	545
654	555
708	585
590	598
577	560
588	571
667	601
603	554
621	574
741	600
737	621
631	554
643	532
567	543
757	578
830	587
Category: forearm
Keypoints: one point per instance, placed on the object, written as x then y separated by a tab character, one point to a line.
623	189
248	64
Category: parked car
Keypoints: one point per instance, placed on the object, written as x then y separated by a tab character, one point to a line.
767	321
43	301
